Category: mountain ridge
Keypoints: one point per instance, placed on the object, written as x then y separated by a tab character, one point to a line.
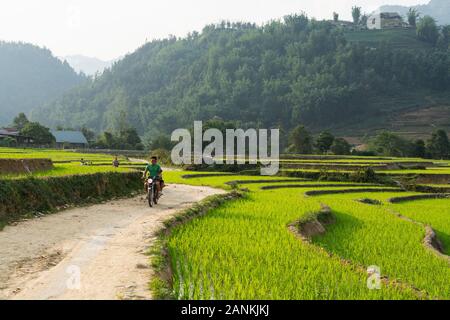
278	75
29	77
88	65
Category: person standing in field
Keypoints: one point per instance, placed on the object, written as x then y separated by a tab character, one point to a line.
116	162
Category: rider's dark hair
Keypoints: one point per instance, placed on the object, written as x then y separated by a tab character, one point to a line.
154	158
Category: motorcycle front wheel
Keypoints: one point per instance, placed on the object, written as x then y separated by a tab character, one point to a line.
150	196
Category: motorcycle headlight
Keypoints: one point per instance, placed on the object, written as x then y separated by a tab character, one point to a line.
150	180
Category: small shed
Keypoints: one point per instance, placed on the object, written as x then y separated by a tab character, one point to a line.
70	139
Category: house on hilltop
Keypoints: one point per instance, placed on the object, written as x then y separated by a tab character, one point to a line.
69	139
385	20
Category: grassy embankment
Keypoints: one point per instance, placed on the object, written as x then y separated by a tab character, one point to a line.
68	183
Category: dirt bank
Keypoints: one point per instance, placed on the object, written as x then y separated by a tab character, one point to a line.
95	252
9	166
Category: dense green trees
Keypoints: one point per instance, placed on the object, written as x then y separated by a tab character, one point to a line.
389	144
40	134
161	142
427	30
444	38
335	16
278	75
419	149
341	147
300	141
439	146
8	142
88	134
126	139
20	121
324	142
356	14
412	16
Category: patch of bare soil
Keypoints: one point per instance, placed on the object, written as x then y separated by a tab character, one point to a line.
432	242
314	225
24	165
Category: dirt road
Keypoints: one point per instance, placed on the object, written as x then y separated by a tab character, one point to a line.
96	252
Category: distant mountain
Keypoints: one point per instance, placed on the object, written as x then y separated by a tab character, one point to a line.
88	65
29	77
438	9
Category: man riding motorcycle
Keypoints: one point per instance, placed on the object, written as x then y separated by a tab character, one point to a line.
155	172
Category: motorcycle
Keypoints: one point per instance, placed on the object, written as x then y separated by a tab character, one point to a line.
152	191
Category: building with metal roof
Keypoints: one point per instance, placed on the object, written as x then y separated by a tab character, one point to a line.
69	139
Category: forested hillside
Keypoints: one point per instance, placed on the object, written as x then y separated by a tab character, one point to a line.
281	74
29	77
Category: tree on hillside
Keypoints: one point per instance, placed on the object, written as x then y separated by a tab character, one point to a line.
8	142
324	142
413	15
130	138
427	30
389	144
446	32
127	139
88	133
439	146
300	141
41	135
420	150
341	147
106	140
364	19
296	22
335	16
444	37
20	121
161	142
356	14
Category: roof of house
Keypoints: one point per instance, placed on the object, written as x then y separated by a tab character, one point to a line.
76	137
390	15
9	132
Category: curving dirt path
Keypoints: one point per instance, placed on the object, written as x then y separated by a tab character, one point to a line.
96	252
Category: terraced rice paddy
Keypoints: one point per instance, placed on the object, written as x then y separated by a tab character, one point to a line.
418	171
253	247
245	249
67	162
435	213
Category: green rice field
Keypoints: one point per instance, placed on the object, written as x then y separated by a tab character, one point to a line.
253	247
245	249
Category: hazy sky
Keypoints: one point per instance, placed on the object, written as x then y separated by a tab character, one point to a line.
109	28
